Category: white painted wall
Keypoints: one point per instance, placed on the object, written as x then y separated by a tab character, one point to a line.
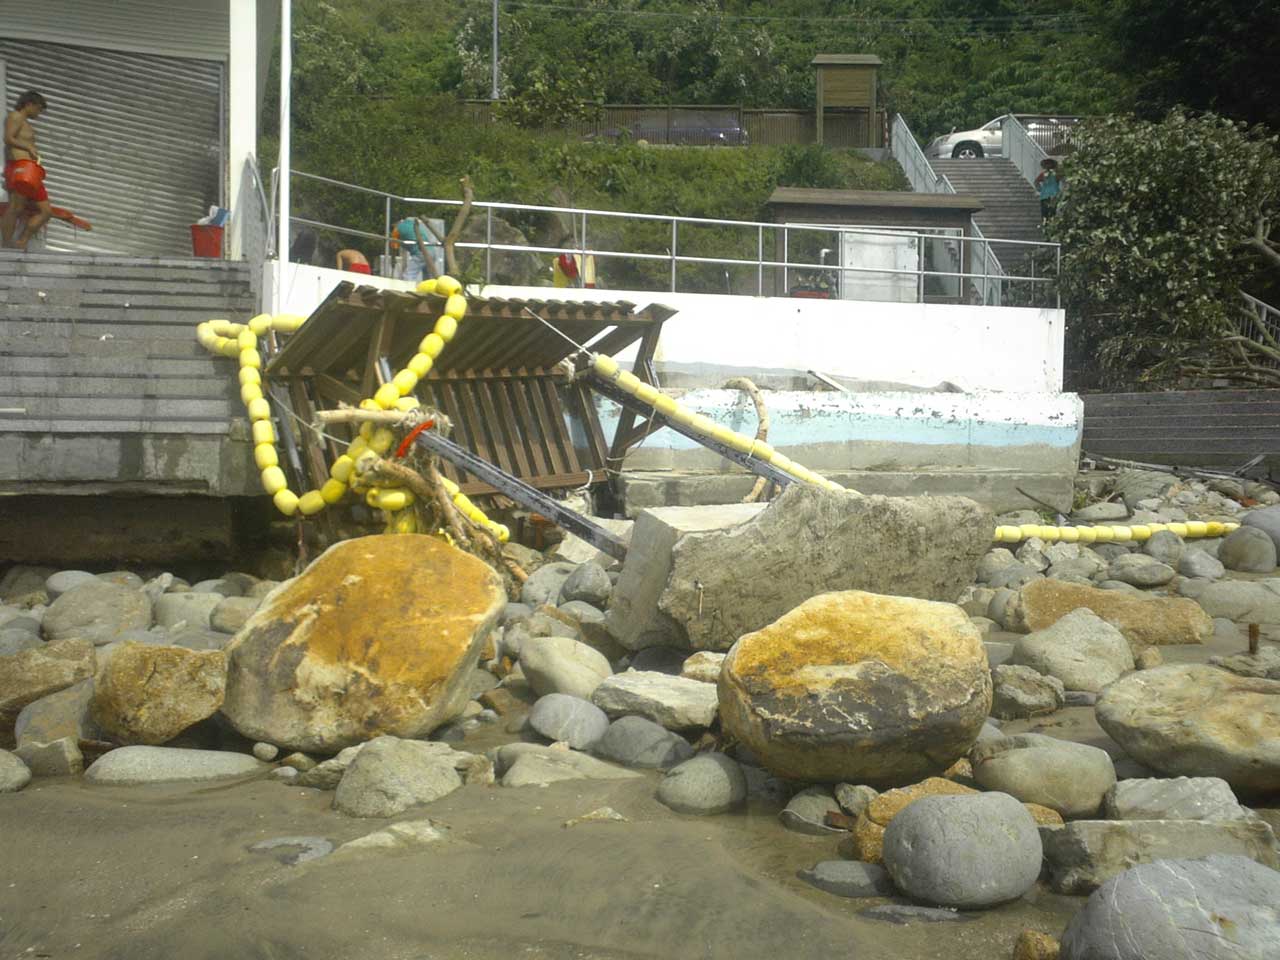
1013	349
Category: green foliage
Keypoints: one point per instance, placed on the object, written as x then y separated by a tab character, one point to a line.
1155	228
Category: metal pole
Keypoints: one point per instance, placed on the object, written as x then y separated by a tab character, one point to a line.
493	93
786	258
386	236
282	222
759	261
488	240
582	274
1058	275
675	227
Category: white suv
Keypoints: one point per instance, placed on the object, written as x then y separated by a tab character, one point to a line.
1052	133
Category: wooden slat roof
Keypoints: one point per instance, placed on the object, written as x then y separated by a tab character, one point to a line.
497	332
845	60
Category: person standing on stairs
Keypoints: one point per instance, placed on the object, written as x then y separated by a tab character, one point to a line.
1049	185
23	174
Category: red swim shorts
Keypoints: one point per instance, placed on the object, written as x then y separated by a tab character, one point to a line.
25	178
360	268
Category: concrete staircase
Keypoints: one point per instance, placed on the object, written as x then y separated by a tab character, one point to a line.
1011	207
103	387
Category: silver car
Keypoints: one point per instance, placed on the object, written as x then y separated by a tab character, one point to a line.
1052	133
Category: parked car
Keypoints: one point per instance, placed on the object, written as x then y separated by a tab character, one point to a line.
1052	133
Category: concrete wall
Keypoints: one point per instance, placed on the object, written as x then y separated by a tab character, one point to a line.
1015	349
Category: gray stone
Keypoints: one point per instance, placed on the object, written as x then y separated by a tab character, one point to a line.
327	774
96	611
222	586
199	638
295	850
15	641
266	752
807	812
1061	552
1217	908
193	609
700	577
906	913
589	583
1198	720
582	612
29	675
992	562
1248	550
976	601
674	702
1238	600
1014	576
514	613
1117	585
849	878
1086	567
391	775
58	758
709	783
853	798
14	774
544	585
1085	698
637	742
531	765
985	627
1266	519
998	651
406	835
1002	607
64	580
989	731
129	765
1114	551
1100	513
967	852
1071	778
574	549
1031	554
1084	854
1200	565
1166	547
1140	570
1177	798
575	721
1021	692
1265	663
232	613
65	714
1082	650
544	624
562	665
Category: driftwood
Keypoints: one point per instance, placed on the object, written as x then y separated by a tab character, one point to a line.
758	491
449	240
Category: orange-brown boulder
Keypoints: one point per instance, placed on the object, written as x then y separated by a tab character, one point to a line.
1144	620
148	694
377	636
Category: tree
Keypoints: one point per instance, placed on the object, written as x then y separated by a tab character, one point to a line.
1162	227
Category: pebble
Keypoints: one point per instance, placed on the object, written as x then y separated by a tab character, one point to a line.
807	811
853	798
14	774
266	752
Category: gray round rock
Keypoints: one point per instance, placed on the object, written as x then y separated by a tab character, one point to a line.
1267	520
1218	908
849	878
709	783
965	852
64	580
1248	550
807	811
168	765
1200	565
14	774
1071	778
1140	570
560	717
589	583
543	586
96	611
16	640
1166	547
637	742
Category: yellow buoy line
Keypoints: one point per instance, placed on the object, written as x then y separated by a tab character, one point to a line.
240	341
1138	532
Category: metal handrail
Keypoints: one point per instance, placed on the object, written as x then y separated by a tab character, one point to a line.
1267	319
920	173
672	256
1018	147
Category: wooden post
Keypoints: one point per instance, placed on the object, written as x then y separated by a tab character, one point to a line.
818	108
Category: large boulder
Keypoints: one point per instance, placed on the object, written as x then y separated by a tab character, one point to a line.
1084	854
965	852
1144	620
1175	798
1198	720
1082	650
700	577
1243	601
149	694
1267	519
378	636
1248	550
1071	778
856	687
1218	908
67	714
29	675
97	611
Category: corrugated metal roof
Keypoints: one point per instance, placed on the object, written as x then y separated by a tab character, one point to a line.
175	28
846	60
900	199
130	142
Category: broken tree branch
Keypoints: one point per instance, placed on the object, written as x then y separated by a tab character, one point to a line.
762	429
460	221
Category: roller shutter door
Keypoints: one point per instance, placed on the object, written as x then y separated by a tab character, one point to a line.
131	142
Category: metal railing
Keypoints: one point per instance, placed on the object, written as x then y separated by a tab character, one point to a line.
777	251
1264	325
920	173
1022	150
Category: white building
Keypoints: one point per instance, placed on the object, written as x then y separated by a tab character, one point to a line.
153	112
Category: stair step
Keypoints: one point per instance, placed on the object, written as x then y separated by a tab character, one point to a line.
170	387
108	408
213	369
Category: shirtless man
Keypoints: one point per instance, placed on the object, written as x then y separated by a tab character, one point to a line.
353	261
23	175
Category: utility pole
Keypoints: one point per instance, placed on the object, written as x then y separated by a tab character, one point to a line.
493	93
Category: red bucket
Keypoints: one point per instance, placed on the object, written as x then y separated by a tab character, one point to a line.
206	241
